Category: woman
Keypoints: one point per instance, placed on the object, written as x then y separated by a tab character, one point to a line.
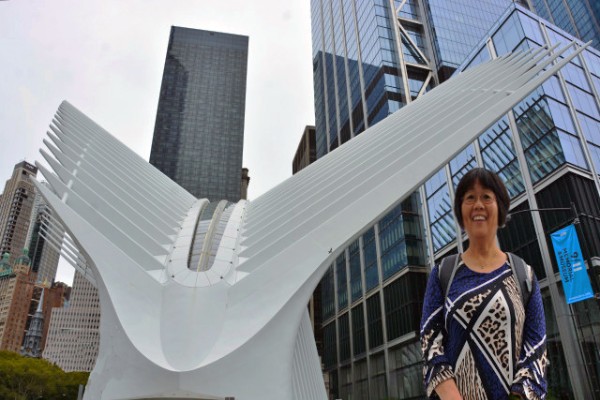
480	341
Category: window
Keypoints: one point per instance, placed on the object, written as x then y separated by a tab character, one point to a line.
374	321
403	304
358	330
342	285
370	256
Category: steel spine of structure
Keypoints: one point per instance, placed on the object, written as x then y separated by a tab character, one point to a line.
240	328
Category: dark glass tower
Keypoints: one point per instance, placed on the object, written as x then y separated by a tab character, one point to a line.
199	131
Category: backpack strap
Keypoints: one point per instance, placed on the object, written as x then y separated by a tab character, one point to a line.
522	273
446	272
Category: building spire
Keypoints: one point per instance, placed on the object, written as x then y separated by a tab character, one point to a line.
33	337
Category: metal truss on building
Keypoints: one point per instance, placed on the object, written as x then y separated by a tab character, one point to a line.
421	66
208	300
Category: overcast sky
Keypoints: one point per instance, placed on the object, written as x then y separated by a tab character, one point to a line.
106	57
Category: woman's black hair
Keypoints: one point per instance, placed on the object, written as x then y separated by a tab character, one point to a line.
488	180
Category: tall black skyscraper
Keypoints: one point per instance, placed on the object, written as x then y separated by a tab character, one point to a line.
199	131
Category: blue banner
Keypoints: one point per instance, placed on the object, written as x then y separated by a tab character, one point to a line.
575	279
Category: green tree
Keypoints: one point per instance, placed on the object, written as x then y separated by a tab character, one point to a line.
23	378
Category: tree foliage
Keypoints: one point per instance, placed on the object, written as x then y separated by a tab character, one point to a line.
24	378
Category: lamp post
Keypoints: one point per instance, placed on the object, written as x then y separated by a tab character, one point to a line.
573	210
579	334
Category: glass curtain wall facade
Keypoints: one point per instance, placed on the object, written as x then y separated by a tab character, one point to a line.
370	58
371	296
199	130
371	300
546	151
580	18
456	27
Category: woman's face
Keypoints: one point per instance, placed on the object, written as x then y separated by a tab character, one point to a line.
480	212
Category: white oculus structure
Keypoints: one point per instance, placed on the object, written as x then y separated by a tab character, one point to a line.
178	323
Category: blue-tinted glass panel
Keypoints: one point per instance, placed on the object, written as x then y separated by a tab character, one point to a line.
412	47
586	21
534	120
318	78
560	13
439	204
531	28
374	321
553	89
355	275
482	56
328	294
359	344
410	9
596	82
575	75
443	232
558	38
435	182
593	62
344	335
353	63
525	45
572	149
330	78
497	151
595	153
415	83
342	285
316	27
590	127
462	163
329	345
583	101
510	34
340	67
392	83
540	138
458	25
320	112
441	220
383	93
541	9
331	103
545	156
413	231
370	257
375	93
391	242
560	115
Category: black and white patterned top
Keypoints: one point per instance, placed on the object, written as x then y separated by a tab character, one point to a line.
483	337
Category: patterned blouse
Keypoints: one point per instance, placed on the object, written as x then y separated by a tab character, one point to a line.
483	337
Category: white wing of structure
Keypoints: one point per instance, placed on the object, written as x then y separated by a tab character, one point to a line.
54	234
207	300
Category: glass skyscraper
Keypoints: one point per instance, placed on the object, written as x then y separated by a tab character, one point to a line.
547	152
580	18
367	56
372	57
199	131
